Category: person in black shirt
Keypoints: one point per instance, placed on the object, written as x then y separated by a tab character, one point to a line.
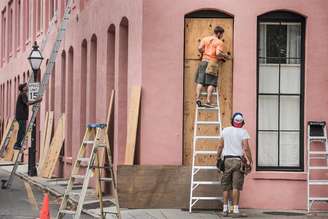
21	114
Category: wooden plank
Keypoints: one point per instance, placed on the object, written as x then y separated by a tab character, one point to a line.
43	136
10	148
162	186
196	29
55	148
6	130
133	117
30	196
47	138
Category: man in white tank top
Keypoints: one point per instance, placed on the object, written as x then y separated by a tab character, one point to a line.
232	147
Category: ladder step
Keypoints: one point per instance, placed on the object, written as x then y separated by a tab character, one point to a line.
318	152
207	198
106	179
90	202
207	109
78	176
66	212
318	182
318	168
317	138
207	182
205	152
206	167
101	145
318	198
213	137
205	93
88	142
83	159
208	123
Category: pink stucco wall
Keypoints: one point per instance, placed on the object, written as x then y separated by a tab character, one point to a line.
162	76
155	60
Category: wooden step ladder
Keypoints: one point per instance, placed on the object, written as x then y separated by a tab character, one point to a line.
95	137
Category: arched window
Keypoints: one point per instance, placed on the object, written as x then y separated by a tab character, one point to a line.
63	81
83	91
280	79
92	79
69	99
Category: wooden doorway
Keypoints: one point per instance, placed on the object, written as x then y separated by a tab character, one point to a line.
196	27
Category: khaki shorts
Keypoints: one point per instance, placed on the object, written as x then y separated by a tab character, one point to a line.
232	178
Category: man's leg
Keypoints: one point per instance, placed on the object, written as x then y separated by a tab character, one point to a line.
198	90
210	89
235	196
20	134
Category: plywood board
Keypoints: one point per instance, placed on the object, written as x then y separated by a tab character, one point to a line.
133	117
6	129
195	30
43	136
162	186
8	155
55	148
47	138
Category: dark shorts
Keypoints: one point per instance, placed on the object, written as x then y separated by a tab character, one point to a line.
232	178
203	78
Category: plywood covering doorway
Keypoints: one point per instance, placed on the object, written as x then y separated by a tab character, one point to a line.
195	29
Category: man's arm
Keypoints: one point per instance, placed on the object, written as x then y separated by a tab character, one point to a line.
248	151
28	103
223	55
201	47
220	148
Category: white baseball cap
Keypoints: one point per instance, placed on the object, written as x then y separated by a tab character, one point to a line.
238	118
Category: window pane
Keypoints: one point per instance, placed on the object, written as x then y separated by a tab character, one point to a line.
268	78
268	149
290	78
268	112
276	43
289	112
294	43
289	149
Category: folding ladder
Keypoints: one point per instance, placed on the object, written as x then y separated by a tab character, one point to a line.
317	132
97	137
43	86
197	153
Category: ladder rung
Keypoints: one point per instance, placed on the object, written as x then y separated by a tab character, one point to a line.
213	137
318	198
318	168
206	167
89	202
88	142
208	123
78	176
317	138
205	93
106	179
83	159
205	152
207	182
101	145
318	182
207	198
207	109
318	152
66	212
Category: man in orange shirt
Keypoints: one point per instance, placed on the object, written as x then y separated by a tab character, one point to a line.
212	49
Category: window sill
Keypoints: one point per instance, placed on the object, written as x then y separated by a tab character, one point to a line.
273	175
27	42
68	160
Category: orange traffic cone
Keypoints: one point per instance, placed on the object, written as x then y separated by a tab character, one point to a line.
44	213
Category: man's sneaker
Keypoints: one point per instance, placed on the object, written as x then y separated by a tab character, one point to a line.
199	103
225	214
209	105
17	148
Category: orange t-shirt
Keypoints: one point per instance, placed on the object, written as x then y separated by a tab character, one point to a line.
212	47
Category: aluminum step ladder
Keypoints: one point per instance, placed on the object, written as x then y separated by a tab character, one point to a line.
317	133
44	83
197	153
96	137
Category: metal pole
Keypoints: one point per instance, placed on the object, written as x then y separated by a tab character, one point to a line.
32	150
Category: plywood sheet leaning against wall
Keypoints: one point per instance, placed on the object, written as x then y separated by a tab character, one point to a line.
6	126
133	117
9	153
43	136
195	30
55	147
47	139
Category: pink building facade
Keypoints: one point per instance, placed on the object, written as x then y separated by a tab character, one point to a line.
117	44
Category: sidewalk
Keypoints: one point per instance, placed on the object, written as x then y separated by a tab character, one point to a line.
56	188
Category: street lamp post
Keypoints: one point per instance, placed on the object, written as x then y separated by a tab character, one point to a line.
35	58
